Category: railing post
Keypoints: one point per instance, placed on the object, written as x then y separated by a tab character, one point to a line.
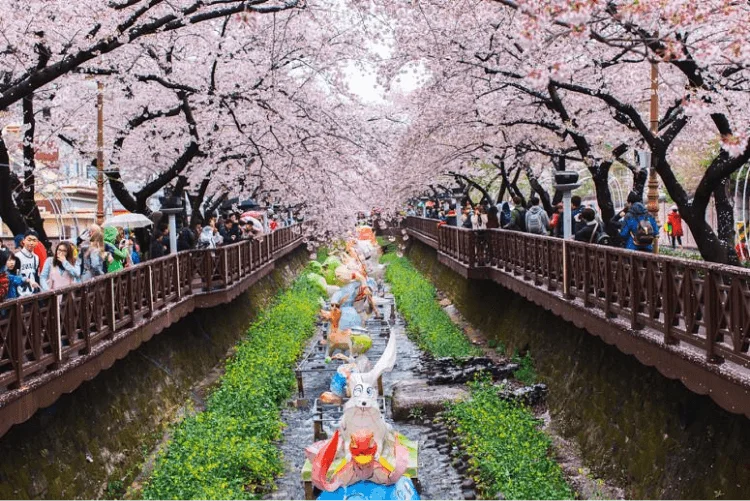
710	315
85	314
177	276
224	263
57	337
550	265
150	290
667	303
471	249
18	347
239	260
586	272
566	270
111	309
209	268
635	293
250	253
132	280
607	284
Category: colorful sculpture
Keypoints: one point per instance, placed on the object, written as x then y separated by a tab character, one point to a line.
361	466
343	340
338	388
370	448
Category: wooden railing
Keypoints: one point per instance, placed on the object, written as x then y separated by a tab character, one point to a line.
47	331
704	307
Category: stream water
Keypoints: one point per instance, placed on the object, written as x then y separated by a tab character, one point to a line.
437	475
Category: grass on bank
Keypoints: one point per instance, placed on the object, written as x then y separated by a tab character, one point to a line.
507	450
229	450
427	323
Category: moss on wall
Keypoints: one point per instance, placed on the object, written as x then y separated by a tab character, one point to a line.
646	432
91	443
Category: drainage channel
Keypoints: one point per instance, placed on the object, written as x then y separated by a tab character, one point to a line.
438	478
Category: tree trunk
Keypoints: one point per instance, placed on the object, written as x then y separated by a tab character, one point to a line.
8	210
25	199
196	201
725	218
537	188
600	176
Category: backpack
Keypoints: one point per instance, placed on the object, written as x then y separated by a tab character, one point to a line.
4	286
534	223
520	219
644	233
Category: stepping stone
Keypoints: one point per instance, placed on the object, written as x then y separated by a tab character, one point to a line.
411	394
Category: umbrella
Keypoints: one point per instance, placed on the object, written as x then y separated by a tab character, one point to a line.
129	220
248	204
256	224
251	214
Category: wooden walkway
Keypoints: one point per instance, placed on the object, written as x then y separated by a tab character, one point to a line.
51	342
688	319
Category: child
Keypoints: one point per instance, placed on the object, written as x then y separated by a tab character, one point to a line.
10	268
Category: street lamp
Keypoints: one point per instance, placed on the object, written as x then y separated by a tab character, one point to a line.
566	182
171	206
653	181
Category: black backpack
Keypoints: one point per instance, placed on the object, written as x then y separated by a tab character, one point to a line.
644	233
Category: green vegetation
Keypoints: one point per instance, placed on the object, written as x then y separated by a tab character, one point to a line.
427	323
322	254
228	451
508	453
525	373
666	250
386	245
498	346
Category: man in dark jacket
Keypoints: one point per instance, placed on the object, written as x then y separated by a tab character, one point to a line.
517	216
589	229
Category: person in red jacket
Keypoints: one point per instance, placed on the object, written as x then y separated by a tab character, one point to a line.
674	226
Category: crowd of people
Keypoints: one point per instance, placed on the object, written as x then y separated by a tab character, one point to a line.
28	268
633	227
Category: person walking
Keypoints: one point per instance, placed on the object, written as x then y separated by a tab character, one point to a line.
15	281
504	214
639	228
60	271
28	264
517	216
117	257
492	221
589	228
556	223
92	254
537	221
674	226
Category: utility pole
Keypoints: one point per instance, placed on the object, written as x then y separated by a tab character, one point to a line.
653	180
100	153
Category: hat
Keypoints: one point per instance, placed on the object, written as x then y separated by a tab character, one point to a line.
674	207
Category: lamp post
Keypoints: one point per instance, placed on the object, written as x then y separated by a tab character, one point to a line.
566	182
99	152
653	181
171	206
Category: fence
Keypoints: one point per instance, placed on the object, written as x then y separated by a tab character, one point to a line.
50	331
698	307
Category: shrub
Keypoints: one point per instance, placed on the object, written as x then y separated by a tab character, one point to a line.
525	373
508	453
427	323
228	451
